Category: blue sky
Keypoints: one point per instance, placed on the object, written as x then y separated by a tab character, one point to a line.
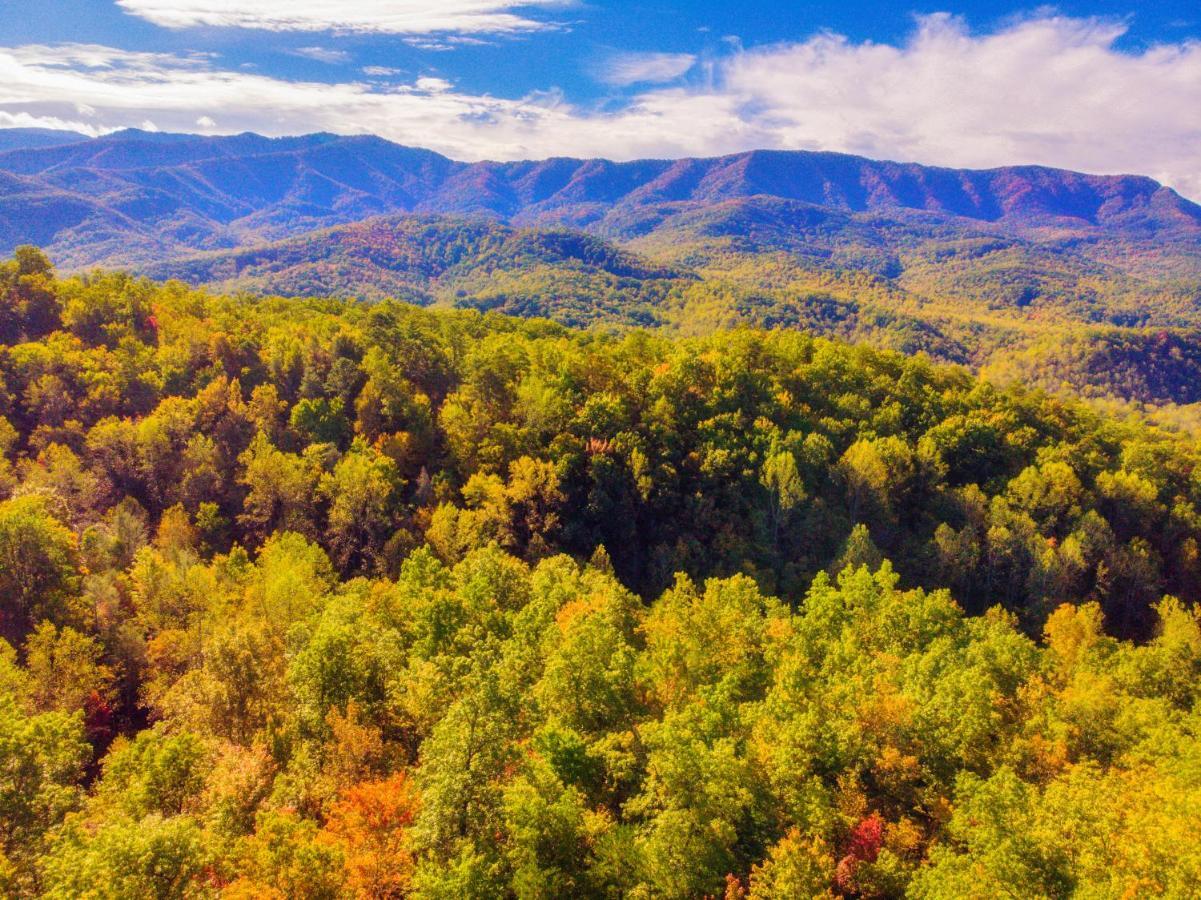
1098	86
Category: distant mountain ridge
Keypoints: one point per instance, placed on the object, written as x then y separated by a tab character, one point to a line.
133	197
32	138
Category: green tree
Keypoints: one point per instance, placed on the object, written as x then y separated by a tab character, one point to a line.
39	569
280	490
42	762
361	492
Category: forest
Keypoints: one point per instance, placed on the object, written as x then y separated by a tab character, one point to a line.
327	599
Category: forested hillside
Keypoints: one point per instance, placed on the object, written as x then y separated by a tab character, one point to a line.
570	277
745	272
983	268
566	275
318	598
1152	366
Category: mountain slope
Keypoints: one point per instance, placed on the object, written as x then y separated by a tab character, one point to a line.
571	276
191	193
1098	276
33	138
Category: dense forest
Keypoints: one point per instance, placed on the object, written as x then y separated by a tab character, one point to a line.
313	598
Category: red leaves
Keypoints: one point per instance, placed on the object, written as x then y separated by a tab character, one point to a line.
863	846
98	718
866	838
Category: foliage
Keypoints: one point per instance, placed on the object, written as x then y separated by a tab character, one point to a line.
356	651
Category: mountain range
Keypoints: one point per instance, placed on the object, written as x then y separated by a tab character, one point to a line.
959	263
135	195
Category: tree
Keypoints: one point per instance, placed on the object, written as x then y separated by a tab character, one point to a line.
371	823
155	773
700	801
29	308
521	514
59	475
42	762
320	421
158	858
589	656
67	673
783	481
795	866
288	856
1050	493
280	490
460	775
343	662
880	474
994	823
858	550
103	309
550	832
361	491
39	569
700	639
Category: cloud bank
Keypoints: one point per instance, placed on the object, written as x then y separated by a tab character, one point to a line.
355	16
1051	90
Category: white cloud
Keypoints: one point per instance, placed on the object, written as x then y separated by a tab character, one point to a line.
322	54
436	44
644	68
25	120
1050	90
445	42
206	122
432	84
362	16
1053	91
380	71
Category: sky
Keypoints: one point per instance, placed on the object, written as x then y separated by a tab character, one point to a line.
1101	86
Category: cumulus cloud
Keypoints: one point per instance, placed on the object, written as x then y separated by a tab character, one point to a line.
360	16
644	68
1050	90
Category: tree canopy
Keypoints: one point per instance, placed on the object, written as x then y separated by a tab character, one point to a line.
322	599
